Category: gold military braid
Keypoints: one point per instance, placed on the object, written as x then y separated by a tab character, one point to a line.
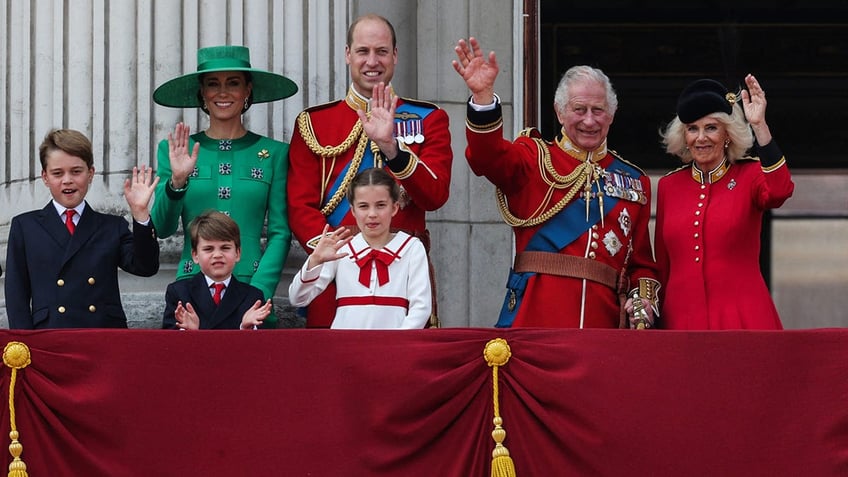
304	125
580	174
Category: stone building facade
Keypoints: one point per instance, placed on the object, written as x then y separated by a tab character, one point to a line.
93	65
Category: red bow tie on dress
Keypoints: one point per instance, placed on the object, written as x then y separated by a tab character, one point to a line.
381	260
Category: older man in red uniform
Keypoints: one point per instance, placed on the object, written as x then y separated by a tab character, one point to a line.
579	212
370	127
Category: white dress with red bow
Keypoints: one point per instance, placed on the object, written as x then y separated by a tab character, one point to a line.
375	289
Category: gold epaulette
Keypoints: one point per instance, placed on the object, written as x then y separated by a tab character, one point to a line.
618	156
530	132
321	106
684	166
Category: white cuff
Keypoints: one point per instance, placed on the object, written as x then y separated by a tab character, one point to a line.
484	107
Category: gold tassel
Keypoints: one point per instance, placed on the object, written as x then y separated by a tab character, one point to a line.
16	356
497	353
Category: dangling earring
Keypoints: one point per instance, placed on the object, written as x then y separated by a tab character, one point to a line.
246	105
726	143
204	107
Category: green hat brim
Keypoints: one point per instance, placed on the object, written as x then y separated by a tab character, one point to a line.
181	92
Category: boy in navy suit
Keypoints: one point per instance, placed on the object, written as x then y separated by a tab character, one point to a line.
214	298
62	261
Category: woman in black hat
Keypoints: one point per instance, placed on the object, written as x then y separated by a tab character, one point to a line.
226	167
709	212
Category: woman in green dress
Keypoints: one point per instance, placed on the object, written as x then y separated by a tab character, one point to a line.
226	167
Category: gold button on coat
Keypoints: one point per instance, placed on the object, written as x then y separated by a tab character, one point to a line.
60	282
92	308
91	280
61	309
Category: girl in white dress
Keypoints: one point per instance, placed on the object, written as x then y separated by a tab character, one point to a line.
382	277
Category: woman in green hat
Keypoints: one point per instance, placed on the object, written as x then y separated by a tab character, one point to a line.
226	167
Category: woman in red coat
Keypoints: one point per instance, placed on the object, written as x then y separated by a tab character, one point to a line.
709	212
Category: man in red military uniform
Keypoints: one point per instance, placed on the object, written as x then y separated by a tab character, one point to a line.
578	211
370	127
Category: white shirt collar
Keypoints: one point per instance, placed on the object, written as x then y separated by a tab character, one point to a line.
210	282
60	209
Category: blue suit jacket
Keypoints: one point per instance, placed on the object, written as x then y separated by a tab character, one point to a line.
237	299
58	280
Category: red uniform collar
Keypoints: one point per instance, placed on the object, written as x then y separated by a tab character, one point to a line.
358	102
569	147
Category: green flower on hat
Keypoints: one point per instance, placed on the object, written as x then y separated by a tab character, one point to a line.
181	92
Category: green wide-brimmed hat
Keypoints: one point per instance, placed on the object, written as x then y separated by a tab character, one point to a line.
181	92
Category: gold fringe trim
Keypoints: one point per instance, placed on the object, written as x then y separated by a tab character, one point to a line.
16	355
497	353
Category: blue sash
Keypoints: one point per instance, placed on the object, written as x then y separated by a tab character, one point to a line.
403	113
554	235
341	210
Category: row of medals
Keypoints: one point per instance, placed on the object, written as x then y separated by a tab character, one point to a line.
409	131
624	187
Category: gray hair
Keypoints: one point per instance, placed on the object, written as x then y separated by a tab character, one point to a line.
584	73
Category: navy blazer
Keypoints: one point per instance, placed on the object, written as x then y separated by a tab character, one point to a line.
238	298
58	280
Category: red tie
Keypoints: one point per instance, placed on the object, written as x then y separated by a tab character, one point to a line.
381	260
69	220
219	287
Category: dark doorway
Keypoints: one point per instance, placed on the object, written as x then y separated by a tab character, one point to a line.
797	49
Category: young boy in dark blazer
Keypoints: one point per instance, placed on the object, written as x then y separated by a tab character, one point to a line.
214	298
62	261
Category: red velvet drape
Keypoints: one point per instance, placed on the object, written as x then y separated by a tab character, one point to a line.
419	403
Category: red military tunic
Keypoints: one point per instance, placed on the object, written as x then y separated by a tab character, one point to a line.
422	168
708	243
516	169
